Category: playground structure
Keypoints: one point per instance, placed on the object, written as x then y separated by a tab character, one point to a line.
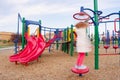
109	41
68	36
109	38
37	42
96	21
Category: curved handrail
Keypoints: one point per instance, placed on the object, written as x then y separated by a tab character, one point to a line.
81	14
99	13
115	25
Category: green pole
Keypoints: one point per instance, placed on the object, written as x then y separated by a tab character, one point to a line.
72	42
67	40
23	32
96	52
40	22
57	45
64	36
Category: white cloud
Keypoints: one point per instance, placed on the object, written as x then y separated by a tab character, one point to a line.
108	4
16	2
10	8
43	9
8	22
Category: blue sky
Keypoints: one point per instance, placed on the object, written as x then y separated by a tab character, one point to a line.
53	13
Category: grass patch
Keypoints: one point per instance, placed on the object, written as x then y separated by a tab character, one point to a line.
6	45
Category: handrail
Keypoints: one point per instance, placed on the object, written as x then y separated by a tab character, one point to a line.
19	17
99	13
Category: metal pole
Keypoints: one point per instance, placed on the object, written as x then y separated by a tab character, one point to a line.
72	41
40	27
23	32
96	52
119	20
40	30
68	40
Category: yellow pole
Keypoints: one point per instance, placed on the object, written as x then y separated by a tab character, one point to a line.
28	31
38	32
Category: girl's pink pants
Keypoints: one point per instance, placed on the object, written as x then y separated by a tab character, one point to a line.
80	59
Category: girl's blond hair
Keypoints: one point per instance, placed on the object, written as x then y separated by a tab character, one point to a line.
82	25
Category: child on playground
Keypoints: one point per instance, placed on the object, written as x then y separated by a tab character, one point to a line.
83	44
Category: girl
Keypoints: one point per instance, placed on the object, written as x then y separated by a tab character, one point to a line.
83	44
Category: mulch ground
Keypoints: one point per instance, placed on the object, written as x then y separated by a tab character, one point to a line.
56	65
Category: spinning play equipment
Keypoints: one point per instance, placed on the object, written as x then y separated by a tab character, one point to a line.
80	71
116	25
107	41
115	38
96	20
115	46
114	41
82	17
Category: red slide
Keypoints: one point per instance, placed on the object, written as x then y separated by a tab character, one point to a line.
34	48
31	44
34	54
